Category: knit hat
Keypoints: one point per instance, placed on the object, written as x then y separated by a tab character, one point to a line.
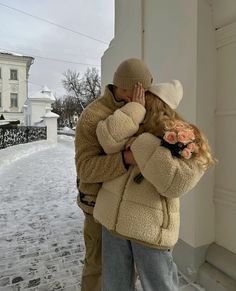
131	71
171	93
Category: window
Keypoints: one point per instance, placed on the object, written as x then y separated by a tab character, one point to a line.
14	100
0	99
13	75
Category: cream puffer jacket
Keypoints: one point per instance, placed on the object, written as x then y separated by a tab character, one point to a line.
147	212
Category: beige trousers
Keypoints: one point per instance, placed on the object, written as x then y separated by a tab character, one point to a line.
92	271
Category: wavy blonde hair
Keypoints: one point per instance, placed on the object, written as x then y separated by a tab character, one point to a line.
160	117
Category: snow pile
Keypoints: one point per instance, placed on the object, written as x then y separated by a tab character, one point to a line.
63	137
13	153
66	130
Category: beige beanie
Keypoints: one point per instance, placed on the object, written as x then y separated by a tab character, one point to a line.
131	71
171	93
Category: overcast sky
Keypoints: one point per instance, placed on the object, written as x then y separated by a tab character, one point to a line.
31	36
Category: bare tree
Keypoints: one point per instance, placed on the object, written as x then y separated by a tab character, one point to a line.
72	82
84	89
80	92
69	107
74	87
91	84
58	108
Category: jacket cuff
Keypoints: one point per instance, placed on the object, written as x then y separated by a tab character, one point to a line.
135	110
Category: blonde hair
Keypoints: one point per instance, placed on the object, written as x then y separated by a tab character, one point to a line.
160	117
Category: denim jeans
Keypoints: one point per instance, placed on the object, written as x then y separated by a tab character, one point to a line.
155	267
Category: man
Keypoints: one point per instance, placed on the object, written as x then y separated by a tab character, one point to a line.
94	166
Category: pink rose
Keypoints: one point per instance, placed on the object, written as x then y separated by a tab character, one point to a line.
179	125
192	146
191	134
170	137
186	153
183	136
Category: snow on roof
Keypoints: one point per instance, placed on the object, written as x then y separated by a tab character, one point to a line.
46	89
3	122
13	54
45	93
50	114
8	120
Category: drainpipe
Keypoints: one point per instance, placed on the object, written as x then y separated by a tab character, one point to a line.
142	29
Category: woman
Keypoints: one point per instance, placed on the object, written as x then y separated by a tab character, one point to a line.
139	210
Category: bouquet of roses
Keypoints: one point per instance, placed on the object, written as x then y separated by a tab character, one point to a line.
180	140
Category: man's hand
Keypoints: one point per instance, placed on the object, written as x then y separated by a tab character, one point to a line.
129	158
139	94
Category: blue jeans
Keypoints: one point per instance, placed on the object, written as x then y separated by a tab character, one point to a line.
156	268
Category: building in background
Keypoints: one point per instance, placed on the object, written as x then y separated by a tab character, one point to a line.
37	106
193	41
14	74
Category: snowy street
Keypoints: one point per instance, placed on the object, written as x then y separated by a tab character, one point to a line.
41	242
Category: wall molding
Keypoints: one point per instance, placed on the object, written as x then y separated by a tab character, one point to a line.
225	35
226	113
189	258
225	197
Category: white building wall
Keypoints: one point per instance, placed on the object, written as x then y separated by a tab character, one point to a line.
224	12
13	86
128	40
37	110
179	43
225	192
205	119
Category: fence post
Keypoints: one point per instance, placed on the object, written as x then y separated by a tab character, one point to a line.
50	119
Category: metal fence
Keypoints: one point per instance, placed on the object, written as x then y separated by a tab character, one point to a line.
21	134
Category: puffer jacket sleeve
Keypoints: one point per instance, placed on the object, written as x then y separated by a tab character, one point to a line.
171	176
117	128
92	164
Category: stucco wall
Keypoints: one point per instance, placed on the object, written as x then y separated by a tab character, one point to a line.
224	12
176	34
128	38
225	190
8	86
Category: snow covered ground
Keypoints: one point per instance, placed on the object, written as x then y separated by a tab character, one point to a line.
41	241
41	244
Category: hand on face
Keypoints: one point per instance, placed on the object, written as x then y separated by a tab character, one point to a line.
129	158
139	94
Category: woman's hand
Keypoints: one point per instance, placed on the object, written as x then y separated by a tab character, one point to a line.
129	158
139	94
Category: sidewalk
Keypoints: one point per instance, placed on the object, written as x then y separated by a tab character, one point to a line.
41	242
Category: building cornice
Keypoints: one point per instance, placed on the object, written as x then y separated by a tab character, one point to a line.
226	113
225	35
225	197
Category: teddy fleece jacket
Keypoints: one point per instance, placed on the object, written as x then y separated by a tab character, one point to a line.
147	212
93	165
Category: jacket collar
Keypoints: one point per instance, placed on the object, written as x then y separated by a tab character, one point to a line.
109	98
